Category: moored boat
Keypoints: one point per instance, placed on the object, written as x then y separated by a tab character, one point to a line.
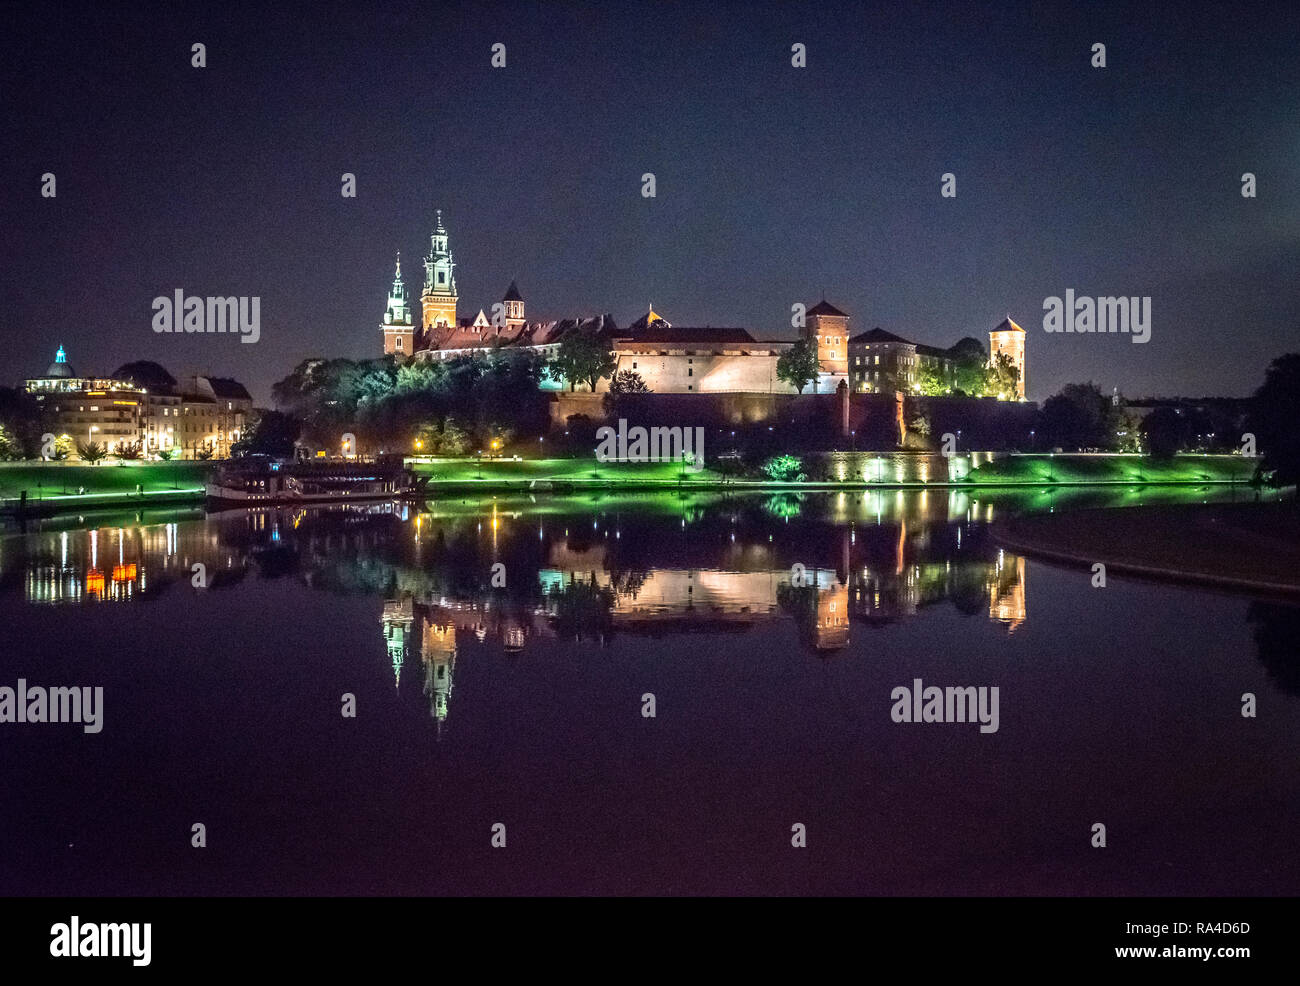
266	481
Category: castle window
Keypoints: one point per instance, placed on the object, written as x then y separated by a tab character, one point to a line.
690	373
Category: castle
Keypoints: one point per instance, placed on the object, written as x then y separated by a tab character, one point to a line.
677	360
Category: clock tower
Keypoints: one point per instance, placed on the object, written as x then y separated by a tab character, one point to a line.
439	296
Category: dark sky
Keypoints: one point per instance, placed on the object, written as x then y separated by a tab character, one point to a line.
774	183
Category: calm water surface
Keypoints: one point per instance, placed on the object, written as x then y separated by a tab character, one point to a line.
523	705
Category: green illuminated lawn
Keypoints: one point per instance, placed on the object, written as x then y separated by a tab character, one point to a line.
1020	469
1115	469
56	480
559	470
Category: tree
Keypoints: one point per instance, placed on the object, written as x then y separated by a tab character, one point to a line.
63	447
205	452
628	382
20	417
130	450
931	381
970	366
581	356
91	452
1165	432
274	434
442	438
1080	417
784	468
1275	409
798	366
919	423
9	449
167	454
1003	377
145	373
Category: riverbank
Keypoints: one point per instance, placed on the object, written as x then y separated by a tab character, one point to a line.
1249	546
54	487
847	470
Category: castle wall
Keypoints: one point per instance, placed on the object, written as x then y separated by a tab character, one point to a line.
692	373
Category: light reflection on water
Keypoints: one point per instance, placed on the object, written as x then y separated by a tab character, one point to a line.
774	699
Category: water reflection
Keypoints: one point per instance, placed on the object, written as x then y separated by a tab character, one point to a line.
580	570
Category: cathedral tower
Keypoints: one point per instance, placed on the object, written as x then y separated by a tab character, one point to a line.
399	332
439	296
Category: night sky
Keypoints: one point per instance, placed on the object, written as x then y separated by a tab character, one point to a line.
774	183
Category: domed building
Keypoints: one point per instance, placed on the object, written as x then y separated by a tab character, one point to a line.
88	409
141	405
60	369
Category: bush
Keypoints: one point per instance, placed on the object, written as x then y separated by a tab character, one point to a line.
784	469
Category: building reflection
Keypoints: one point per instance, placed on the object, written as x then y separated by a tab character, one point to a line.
868	560
1007	591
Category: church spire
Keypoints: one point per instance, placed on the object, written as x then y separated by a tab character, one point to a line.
439	294
398	312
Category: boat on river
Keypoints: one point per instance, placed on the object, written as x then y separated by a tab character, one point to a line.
260	480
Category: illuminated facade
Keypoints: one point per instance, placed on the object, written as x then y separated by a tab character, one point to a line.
107	412
1008	339
700	361
202	419
828	328
882	363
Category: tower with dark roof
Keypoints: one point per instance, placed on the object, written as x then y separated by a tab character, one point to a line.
828	328
513	303
1008	339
